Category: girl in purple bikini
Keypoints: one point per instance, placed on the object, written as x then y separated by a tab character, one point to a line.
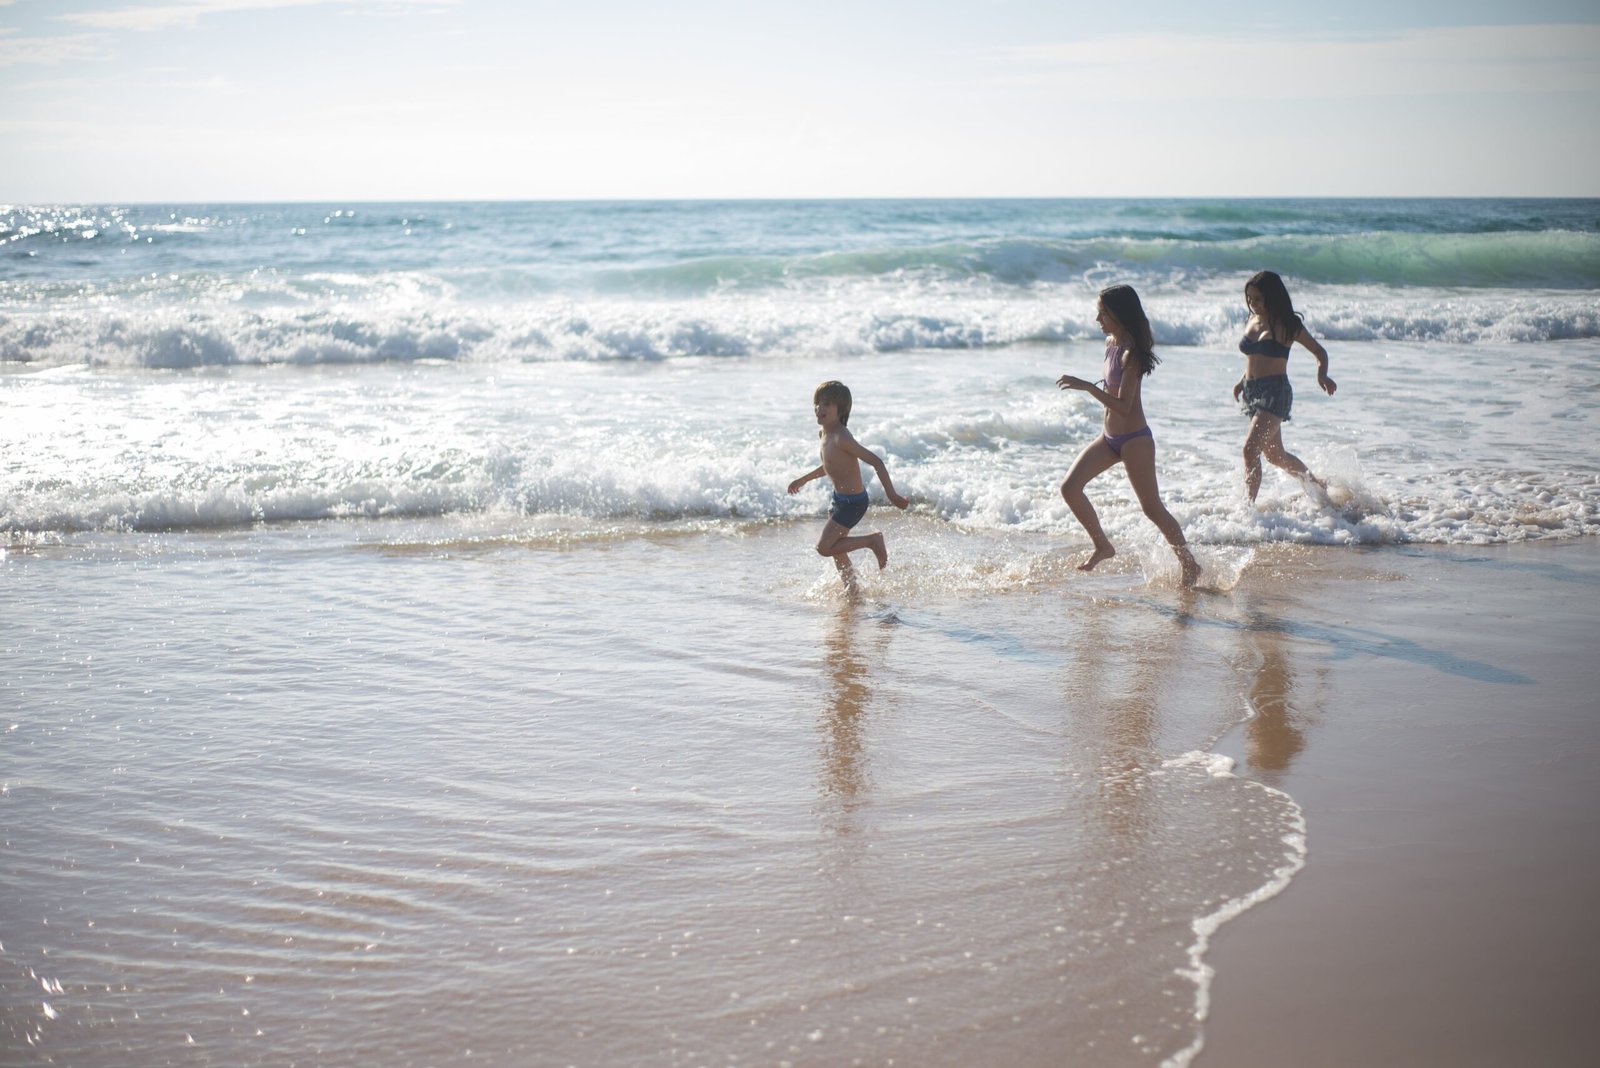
1263	393
1130	355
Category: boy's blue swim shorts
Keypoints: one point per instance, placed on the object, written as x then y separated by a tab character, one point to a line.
848	509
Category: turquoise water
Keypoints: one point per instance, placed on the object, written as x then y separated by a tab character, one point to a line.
690	245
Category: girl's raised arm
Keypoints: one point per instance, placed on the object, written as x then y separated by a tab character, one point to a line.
1314	346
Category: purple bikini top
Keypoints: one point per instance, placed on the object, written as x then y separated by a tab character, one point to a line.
1113	366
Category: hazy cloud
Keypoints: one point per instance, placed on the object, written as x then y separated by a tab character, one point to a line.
1466	59
48	51
188	12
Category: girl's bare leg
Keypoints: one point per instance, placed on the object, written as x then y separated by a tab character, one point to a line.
1139	460
1266	432
1094	460
1252	455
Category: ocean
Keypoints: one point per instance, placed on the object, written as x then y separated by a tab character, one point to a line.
414	656
195	366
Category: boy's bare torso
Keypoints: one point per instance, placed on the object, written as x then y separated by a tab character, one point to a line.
839	463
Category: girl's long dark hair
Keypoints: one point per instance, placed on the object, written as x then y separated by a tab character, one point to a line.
1123	303
1282	319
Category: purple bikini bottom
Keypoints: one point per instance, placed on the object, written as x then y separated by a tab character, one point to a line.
1117	441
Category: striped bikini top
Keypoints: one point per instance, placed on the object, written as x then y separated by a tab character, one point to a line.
1265	345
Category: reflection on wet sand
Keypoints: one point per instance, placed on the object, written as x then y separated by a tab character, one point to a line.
852	643
1276	730
1118	692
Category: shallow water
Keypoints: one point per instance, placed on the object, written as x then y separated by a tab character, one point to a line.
277	799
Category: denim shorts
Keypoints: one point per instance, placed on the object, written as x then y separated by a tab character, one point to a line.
1271	394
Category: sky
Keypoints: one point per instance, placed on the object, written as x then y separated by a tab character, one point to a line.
328	100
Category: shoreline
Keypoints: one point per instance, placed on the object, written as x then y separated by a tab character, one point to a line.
1444	913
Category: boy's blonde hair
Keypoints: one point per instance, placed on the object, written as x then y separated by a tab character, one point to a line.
837	394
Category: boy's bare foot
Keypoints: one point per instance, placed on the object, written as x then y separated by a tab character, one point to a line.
1191	567
880	550
1101	552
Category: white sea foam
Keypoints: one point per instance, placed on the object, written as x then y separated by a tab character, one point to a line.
1293	859
979	443
1216	765
107	333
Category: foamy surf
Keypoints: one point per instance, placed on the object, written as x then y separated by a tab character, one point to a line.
976	444
1205	927
379	321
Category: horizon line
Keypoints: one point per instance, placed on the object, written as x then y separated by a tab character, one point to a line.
7	203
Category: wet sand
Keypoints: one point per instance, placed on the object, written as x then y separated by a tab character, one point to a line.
1447	910
334	795
336	798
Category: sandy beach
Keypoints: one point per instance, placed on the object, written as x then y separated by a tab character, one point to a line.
671	799
1443	749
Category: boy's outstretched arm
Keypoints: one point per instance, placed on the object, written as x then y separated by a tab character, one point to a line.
794	487
874	461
